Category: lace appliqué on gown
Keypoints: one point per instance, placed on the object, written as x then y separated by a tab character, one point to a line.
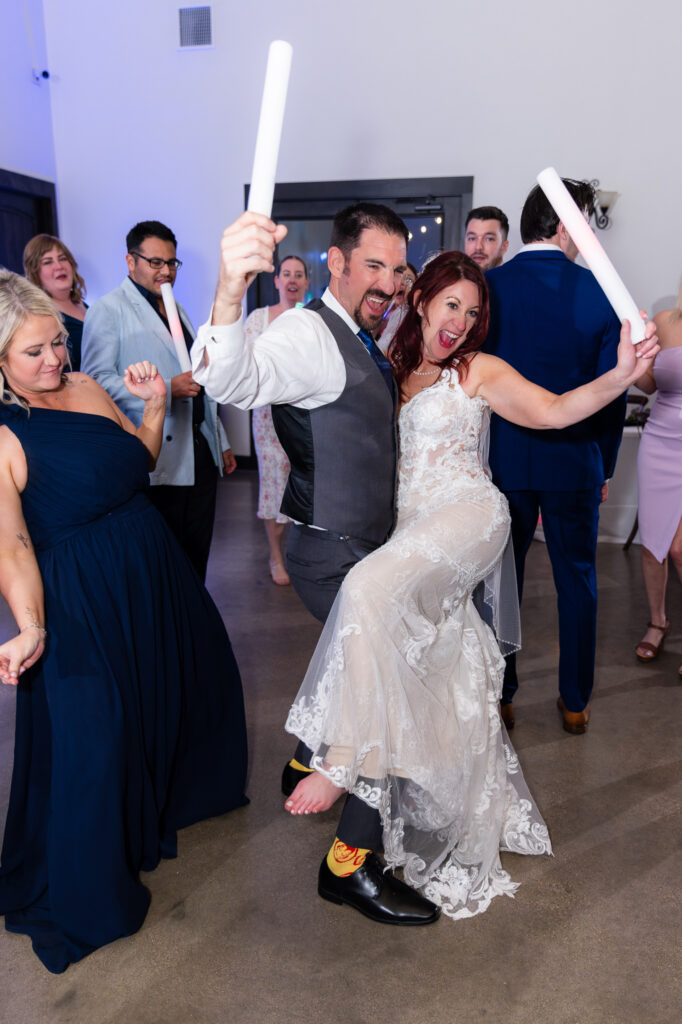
400	702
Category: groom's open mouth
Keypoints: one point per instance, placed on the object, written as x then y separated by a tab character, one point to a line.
377	302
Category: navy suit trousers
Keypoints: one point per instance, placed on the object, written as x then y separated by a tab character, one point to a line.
570	520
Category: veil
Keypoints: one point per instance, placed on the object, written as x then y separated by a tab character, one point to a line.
496	597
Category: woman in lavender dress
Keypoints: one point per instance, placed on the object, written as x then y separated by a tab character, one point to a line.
291	281
659	474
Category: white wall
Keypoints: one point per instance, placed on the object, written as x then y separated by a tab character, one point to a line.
380	88
25	119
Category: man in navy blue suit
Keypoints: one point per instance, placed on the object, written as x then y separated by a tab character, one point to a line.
551	321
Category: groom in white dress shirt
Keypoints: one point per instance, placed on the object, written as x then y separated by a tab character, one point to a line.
334	405
332	408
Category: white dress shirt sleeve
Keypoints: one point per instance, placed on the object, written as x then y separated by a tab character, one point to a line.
295	360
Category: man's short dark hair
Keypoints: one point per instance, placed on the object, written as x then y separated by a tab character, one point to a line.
350	222
489	213
538	219
149	229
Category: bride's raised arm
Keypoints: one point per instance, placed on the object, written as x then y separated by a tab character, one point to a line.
513	397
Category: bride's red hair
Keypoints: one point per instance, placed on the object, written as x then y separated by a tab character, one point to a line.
405	351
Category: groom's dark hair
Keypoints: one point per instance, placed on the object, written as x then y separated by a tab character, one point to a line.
350	222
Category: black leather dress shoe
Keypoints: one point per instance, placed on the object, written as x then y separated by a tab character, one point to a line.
377	894
291	778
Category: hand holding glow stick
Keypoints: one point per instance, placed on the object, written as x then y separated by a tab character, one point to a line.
177	333
264	170
592	251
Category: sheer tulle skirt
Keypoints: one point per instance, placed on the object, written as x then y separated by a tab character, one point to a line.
400	705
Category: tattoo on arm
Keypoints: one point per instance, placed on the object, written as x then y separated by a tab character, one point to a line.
24	540
32	619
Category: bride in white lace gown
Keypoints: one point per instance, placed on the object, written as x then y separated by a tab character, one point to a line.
400	704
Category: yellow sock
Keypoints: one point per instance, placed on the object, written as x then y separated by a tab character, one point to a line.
298	766
343	860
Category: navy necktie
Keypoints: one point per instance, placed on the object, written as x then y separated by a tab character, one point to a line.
379	358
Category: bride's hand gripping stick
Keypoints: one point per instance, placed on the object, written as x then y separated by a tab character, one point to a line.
592	251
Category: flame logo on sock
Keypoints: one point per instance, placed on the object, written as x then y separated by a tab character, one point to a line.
347	859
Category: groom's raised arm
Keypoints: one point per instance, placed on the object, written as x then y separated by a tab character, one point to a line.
290	362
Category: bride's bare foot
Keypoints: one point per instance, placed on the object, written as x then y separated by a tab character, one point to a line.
312	795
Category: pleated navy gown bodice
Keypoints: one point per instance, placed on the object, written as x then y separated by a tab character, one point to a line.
131	725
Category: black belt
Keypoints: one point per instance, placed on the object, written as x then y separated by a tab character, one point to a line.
321	531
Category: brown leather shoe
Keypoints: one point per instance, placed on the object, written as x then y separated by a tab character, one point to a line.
574	721
507	713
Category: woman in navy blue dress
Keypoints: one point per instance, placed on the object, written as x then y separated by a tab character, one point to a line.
130	717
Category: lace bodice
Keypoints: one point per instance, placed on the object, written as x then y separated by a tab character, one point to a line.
440	446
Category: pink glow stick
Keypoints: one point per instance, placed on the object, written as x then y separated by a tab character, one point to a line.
177	333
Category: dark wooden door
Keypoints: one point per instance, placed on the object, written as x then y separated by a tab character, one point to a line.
27	208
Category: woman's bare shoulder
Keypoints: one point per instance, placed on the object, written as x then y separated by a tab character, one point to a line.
7	437
76	377
83	394
480	367
13	471
669	330
82	386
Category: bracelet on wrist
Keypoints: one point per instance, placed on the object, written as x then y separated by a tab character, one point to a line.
34	626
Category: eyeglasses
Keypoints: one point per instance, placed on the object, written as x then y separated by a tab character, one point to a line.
155	262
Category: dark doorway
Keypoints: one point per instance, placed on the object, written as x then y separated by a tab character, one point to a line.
27	208
433	209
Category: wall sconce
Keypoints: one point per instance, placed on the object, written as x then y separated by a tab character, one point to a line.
603	204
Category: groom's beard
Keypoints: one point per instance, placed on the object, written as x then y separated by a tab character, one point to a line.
370	323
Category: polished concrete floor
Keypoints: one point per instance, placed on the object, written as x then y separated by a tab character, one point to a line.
237	935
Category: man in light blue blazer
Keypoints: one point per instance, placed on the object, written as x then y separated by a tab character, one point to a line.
550	319
130	324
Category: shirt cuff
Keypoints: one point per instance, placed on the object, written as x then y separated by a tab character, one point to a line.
219	343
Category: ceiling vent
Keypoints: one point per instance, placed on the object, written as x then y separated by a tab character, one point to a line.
195	27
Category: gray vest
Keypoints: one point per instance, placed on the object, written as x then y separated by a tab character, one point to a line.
343	455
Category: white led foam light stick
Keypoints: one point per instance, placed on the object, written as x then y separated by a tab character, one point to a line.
592	251
270	128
